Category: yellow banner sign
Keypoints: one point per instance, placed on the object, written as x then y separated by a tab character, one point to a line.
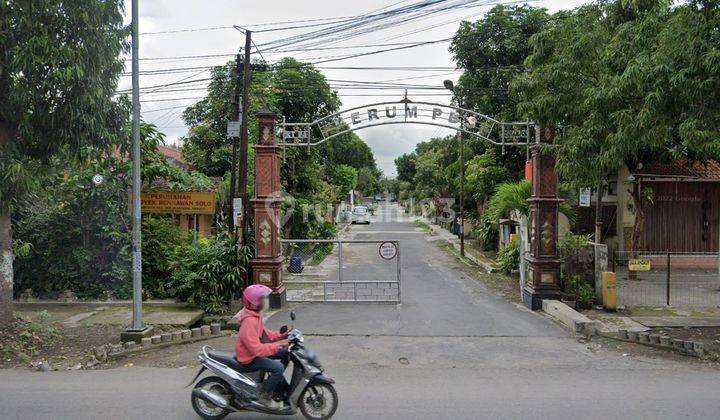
639	265
178	202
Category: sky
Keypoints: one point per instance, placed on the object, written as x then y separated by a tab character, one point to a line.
180	28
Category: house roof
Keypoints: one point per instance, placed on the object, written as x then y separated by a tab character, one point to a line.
709	170
172	153
174	156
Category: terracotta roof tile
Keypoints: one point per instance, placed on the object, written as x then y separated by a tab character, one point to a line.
171	153
685	168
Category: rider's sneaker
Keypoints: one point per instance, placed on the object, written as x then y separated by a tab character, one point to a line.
271	403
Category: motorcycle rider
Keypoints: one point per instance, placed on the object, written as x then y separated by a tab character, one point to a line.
259	348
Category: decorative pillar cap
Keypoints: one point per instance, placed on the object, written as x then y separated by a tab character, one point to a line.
267	113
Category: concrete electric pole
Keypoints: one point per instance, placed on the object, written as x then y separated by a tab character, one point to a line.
138	328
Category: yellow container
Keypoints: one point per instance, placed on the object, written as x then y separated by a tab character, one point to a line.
609	291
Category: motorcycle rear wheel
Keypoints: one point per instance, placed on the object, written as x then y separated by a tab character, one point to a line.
206	410
318	401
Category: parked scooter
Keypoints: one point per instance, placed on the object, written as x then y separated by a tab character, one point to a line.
235	388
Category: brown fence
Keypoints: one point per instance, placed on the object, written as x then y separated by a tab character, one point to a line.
667	279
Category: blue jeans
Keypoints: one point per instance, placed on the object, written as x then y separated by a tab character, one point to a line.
274	366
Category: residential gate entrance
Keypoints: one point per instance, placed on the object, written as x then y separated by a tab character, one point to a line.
543	266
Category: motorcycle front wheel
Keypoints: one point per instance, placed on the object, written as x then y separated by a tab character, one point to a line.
318	401
203	408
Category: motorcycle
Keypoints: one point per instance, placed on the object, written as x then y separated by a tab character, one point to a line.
235	388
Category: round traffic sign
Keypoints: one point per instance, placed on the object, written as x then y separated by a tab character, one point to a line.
387	250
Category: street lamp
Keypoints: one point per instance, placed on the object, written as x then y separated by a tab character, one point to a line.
451	87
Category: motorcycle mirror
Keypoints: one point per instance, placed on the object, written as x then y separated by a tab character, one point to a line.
283	329
292	315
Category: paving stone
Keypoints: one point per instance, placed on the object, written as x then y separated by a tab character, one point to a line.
643	337
129	345
195	332
156	339
176	336
146	341
678	344
623	334
698	348
665	340
633	335
655	338
185	334
166	337
215	328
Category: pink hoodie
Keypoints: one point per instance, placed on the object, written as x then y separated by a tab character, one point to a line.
252	329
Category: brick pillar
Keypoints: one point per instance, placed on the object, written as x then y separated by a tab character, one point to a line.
267	264
543	277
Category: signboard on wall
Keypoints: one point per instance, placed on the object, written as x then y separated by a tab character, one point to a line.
178	202
639	265
584	200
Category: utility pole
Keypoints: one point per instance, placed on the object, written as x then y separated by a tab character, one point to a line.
462	189
244	137
449	85
598	212
233	164
137	322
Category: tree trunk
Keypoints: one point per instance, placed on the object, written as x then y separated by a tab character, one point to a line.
638	227
639	224
6	269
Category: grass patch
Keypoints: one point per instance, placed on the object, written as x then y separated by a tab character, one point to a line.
24	340
455	253
650	311
422	226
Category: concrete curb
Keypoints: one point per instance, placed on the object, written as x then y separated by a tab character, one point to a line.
96	303
686	347
571	318
164	340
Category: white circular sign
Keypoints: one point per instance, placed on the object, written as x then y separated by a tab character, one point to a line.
98	179
388	250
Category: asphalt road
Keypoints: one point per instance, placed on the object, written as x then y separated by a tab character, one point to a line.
452	350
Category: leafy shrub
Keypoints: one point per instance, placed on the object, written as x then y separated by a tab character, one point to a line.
160	237
209	272
571	244
74	235
509	257
578	288
509	197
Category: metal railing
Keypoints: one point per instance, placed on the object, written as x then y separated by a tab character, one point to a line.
342	270
667	279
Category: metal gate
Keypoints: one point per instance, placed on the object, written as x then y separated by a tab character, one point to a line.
341	270
668	279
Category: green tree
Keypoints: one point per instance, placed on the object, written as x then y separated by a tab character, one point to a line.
344	178
59	66
405	165
483	174
348	149
368	180
491	52
631	82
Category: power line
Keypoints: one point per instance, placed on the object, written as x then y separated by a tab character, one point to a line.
347	57
177	31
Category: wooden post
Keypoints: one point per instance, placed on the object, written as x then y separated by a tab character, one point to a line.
267	264
543	279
